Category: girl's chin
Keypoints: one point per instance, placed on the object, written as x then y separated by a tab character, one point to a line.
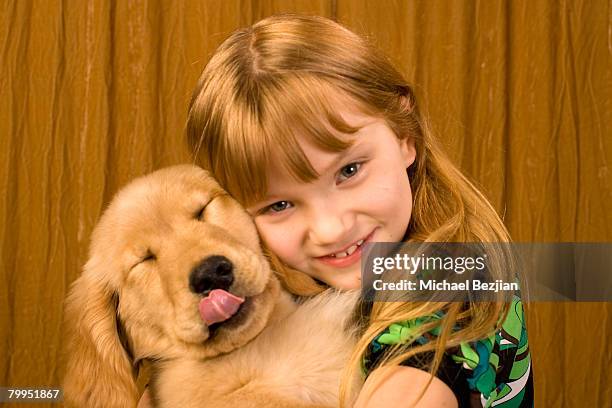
346	281
356	284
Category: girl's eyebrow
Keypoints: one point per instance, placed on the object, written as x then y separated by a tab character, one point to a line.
267	198
339	157
358	143
335	162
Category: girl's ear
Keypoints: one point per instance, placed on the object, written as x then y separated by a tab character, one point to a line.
408	150
98	369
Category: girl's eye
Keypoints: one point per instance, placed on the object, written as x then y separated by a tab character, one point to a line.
349	171
278	206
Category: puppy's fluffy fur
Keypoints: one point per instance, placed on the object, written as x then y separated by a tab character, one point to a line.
133	303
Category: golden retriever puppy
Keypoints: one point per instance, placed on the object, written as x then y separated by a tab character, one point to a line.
176	276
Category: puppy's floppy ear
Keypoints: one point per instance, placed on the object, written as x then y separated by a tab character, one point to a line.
99	372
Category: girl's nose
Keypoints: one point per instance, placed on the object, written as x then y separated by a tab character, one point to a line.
328	224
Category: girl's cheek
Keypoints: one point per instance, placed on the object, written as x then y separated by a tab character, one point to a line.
380	196
278	237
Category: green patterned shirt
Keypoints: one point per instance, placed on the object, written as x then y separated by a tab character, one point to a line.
492	372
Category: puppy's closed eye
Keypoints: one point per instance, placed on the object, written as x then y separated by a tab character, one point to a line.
198	215
149	256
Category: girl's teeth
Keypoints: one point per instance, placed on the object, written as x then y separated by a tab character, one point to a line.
348	251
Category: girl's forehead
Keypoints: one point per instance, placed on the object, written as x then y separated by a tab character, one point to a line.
294	126
319	158
354	117
281	180
278	169
361	124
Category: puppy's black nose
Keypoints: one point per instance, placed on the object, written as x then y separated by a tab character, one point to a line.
215	272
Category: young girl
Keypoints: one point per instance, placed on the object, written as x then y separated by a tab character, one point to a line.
320	138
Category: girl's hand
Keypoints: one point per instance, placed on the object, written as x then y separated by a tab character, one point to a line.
400	386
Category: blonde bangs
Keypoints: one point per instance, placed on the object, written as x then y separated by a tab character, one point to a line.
240	164
266	130
298	107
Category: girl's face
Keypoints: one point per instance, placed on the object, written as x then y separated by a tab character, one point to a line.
363	194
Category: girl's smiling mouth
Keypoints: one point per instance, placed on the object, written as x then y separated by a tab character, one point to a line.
348	255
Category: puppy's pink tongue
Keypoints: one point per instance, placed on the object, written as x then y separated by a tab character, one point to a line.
218	306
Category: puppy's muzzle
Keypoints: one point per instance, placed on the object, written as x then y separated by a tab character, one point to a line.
214	272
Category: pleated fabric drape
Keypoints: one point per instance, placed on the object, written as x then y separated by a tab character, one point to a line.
95	93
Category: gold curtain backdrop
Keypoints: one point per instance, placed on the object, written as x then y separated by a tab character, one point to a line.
94	93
